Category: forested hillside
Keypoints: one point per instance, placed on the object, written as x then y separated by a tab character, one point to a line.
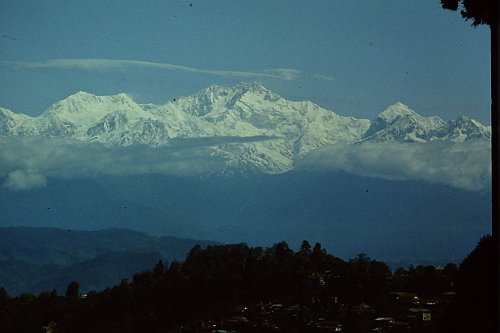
248	289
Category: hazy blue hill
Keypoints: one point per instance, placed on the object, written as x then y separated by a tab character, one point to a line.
81	204
105	270
16	276
99	273
38	259
347	214
38	245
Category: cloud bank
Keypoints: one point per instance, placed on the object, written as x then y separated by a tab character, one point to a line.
106	64
465	165
29	161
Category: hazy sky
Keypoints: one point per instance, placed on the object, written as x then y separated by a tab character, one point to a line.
352	57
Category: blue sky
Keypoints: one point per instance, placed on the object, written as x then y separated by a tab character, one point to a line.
352	57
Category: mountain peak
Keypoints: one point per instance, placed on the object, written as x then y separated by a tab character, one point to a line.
465	129
257	91
250	86
79	96
85	97
81	93
396	110
399	122
83	108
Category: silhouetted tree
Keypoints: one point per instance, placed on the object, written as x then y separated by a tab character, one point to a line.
479	11
450	270
4	297
377	287
319	257
73	289
159	269
475	307
282	252
175	267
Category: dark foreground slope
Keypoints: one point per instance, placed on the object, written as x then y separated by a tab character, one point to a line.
242	289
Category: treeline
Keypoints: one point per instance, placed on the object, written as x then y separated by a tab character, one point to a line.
212	281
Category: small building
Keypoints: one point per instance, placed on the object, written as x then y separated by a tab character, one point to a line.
420	314
388	320
363	308
240	308
322	325
408	298
384	324
50	327
400	326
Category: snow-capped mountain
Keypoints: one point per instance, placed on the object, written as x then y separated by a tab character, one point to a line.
276	131
402	124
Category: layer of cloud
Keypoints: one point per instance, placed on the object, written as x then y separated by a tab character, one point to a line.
464	165
105	64
27	162
30	162
24	180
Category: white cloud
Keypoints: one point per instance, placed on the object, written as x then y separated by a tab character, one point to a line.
464	165
323	77
105	64
27	162
22	180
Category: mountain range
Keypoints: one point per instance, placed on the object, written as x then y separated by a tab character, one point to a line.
248	126
241	164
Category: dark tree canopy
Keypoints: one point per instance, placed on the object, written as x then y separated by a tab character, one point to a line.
479	11
271	287
476	302
73	289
